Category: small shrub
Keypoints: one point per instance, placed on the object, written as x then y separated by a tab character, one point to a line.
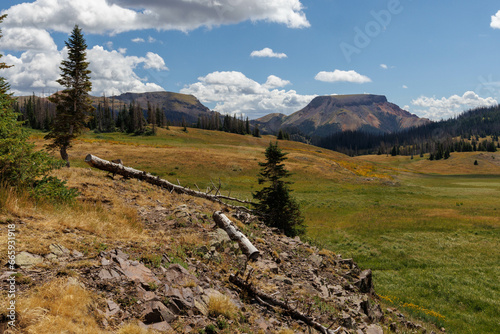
222	323
151	261
210	329
53	190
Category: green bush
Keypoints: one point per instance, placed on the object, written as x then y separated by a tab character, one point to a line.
53	190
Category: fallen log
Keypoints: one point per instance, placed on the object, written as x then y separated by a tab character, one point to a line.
130	172
270	300
232	231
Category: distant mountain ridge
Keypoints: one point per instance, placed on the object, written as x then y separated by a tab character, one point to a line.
176	106
326	115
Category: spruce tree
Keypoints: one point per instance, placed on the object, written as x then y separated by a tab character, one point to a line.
74	105
276	206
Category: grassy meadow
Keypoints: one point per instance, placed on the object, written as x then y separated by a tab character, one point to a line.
429	230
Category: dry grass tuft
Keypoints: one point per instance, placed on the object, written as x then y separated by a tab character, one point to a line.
191	240
59	306
222	305
14	203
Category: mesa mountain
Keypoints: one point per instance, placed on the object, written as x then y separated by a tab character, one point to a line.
326	115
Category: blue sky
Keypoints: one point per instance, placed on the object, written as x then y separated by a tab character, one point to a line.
433	58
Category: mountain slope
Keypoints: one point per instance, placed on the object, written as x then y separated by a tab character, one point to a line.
176	106
325	115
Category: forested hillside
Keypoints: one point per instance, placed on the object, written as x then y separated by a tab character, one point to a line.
474	130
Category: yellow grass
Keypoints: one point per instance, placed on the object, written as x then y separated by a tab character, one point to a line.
59	306
221	305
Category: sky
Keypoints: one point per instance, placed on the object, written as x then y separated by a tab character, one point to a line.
435	59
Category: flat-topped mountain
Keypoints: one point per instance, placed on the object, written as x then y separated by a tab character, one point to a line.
325	115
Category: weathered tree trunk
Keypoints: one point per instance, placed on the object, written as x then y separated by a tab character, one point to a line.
64	154
119	169
232	231
270	300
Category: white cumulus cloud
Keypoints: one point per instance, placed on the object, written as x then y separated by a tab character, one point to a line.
267	52
155	62
115	16
21	39
384	66
33	71
342	76
275	82
234	93
113	72
495	21
445	108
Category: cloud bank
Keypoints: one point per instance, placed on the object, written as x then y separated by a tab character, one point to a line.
116	16
112	71
234	93
445	108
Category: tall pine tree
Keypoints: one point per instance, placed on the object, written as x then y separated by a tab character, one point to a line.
74	105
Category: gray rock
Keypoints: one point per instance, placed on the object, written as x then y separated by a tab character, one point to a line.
161	327
155	312
113	308
364	283
316	260
59	250
25	259
213	256
76	254
108	274
119	253
134	270
218	239
178	275
201	307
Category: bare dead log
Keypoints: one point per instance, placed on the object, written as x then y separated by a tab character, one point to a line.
130	172
232	231
269	300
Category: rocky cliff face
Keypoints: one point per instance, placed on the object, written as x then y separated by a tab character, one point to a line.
325	115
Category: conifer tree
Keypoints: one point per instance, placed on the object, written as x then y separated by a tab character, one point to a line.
276	206
74	105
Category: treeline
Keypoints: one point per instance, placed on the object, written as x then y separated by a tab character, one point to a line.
464	133
227	123
112	116
35	112
128	119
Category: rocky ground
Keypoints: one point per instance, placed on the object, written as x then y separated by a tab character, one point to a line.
183	286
